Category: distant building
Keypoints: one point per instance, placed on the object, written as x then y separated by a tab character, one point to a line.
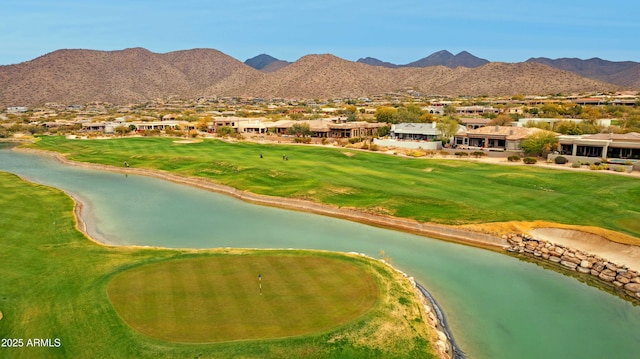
16	109
471	123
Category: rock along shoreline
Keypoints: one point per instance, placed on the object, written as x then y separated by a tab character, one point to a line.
623	280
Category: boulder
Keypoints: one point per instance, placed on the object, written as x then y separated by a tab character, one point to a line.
609	272
595	273
572	259
559	251
569	264
634	287
585	264
617	284
555	259
622	279
581	256
611	266
625	274
533	243
583	270
606	277
598	267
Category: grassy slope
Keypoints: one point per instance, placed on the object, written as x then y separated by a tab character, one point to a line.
53	285
442	191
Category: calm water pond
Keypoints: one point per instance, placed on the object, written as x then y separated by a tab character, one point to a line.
497	306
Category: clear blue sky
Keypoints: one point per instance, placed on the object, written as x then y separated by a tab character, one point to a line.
398	31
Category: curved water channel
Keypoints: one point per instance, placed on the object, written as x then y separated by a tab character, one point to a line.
497	306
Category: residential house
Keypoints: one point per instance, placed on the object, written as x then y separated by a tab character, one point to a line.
609	145
414	131
471	123
500	138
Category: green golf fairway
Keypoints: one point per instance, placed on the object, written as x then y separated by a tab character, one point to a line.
429	190
56	285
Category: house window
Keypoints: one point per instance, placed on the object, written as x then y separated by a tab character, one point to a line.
589	151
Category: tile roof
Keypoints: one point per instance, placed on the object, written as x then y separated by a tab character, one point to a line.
509	132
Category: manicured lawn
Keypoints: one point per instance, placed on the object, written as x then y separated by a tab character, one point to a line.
218	298
430	190
53	285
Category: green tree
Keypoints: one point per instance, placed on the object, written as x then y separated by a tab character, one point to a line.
383	131
426	117
450	110
121	130
448	128
589	126
386	114
224	131
299	130
539	143
296	116
567	128
501	120
631	124
410	114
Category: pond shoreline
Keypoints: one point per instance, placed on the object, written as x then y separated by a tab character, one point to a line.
438	231
445	346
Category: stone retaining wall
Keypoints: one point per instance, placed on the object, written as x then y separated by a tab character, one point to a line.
624	280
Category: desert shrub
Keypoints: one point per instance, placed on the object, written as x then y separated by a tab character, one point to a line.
576	164
224	131
302	140
430	153
462	154
444	153
594	167
560	160
597	163
373	147
628	163
513	158
415	153
355	140
529	160
478	154
619	168
149	133
324	141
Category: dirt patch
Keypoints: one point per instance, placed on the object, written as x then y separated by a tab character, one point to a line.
622	254
348	154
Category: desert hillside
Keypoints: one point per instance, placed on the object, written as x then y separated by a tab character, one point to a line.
137	75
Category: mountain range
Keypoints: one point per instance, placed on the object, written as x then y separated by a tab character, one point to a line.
439	58
137	75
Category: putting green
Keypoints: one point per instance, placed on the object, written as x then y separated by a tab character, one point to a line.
218	298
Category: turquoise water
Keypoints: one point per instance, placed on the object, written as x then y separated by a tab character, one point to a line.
497	306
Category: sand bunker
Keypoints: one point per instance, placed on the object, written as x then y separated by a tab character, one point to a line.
591	243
